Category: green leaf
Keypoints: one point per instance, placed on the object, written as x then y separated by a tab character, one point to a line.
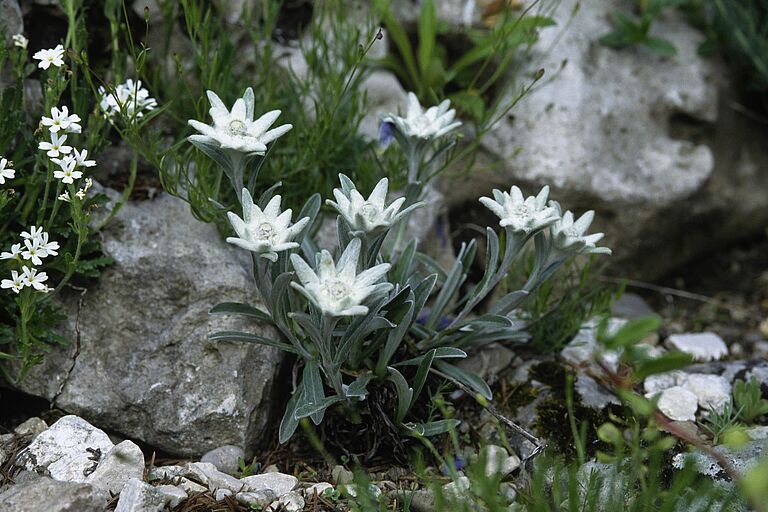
358	387
238	336
314	392
315	409
402	322
215	153
630	333
470	380
289	422
421	375
238	308
641	406
440	353
397	34
404	393
660	46
427	33
663	364
433	428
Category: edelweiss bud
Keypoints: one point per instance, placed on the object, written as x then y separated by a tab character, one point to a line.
430	124
568	235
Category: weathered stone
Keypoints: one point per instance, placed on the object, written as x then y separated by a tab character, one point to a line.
53	496
279	483
257	498
32	427
138	496
11	21
166	472
215	479
488	362
145	366
384	94
705	346
631	306
678	404
172	494
593	394
318	488
291	502
220	494
645	140
712	391
122	463
342	475
498	460
226	458
69	451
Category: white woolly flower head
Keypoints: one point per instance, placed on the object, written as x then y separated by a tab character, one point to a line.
236	129
426	124
265	232
370	215
338	290
569	235
521	214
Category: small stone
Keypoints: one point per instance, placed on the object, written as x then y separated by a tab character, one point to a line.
631	306
318	488
458	487
592	394
68	451
760	349
256	498
226	458
291	502
351	490
32	427
422	500
757	433
220	494
45	494
174	495
191	487
498	460
661	381
271	469
278	483
122	463
342	475
705	346
678	404
215	479
165	472
138	496
509	491
712	391
764	327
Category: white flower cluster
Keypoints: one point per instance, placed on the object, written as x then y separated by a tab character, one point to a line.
428	124
529	215
68	159
7	172
36	246
47	58
128	98
20	41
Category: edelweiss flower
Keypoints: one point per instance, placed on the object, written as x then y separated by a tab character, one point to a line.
56	147
236	129
265	232
20	41
338	290
61	120
53	57
129	98
35	279
15	283
6	172
15	252
372	215
519	213
430	124
67	174
568	236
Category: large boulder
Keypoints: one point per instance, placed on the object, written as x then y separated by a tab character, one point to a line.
140	361
652	143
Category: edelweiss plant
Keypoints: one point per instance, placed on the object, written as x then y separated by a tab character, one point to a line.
368	321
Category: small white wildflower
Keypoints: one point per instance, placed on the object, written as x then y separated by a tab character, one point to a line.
20	41
128	98
265	232
62	120
67	173
15	283
15	253
6	171
81	157
337	290
519	213
56	147
33	252
430	124
236	129
47	58
568	235
35	279
371	215
34	233
65	197
47	248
